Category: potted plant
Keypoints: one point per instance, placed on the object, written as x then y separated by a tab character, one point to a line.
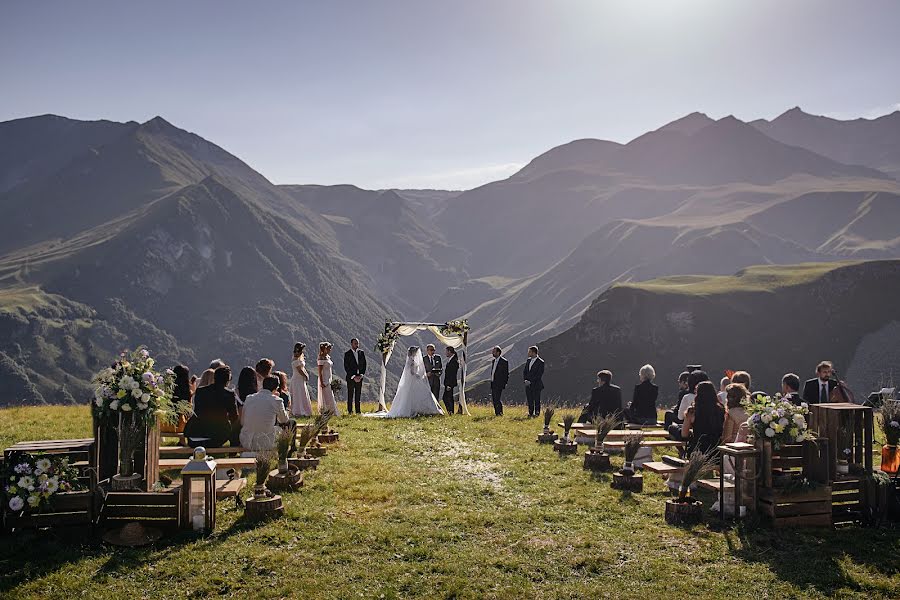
287	477
263	463
566	445
684	510
626	478
547	436
596	459
890	426
264	504
305	436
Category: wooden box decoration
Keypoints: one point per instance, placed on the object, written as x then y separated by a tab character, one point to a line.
106	452
785	507
848	427
793	488
68	508
161	509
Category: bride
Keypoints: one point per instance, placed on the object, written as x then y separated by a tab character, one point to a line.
414	395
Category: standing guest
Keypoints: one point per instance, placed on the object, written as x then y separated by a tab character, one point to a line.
264	369
283	389
263	413
354	369
433	369
694	379
704	420
325	365
215	419
642	409
534	381
246	386
723	386
606	399
818	390
216	363
451	378
790	389
206	378
735	429
300	403
499	379
671	416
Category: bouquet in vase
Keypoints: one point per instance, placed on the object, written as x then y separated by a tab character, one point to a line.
778	420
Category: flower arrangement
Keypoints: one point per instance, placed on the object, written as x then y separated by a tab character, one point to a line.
336	385
30	482
131	385
890	422
387	338
459	327
777	420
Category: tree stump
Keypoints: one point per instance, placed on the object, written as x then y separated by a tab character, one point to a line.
565	446
329	437
547	437
597	460
304	462
627	482
317	451
258	509
684	513
285	482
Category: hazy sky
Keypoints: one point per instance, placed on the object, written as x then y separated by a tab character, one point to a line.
447	94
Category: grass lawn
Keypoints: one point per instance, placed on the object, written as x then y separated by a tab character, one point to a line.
453	507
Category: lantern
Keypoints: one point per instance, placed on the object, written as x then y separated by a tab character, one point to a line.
198	492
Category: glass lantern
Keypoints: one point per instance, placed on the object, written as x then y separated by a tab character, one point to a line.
198	493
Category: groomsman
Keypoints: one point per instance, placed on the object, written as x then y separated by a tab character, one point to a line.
534	382
451	376
499	379
433	369
355	369
818	390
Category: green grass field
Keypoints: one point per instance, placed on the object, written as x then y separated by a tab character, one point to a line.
453	507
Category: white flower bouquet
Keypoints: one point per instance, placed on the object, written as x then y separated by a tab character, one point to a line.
459	327
131	385
30	482
778	420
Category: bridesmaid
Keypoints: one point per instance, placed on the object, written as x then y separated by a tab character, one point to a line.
301	406
326	394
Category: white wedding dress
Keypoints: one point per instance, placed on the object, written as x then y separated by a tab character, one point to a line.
413	397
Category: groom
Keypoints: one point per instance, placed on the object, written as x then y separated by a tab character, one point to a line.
355	369
451	372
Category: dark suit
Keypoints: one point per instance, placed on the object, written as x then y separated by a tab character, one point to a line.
451	380
643	403
352	368
605	400
433	369
812	391
534	376
794	398
215	417
498	383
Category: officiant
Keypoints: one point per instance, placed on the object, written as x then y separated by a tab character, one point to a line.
433	369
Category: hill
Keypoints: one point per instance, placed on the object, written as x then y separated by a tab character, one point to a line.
769	320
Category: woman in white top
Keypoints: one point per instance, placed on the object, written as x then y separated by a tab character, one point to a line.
326	394
300	403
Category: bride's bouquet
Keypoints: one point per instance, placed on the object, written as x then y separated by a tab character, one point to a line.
336	385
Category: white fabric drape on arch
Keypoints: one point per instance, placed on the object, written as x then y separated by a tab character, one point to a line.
457	341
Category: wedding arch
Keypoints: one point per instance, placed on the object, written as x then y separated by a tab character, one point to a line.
451	333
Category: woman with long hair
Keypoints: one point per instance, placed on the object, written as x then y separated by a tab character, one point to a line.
282	390
326	400
246	385
206	378
704	420
300	403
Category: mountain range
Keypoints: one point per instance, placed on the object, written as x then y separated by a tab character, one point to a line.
124	233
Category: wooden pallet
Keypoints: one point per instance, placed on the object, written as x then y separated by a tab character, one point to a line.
162	509
800	508
848	499
78	451
67	508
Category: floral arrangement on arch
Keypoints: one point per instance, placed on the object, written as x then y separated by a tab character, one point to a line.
132	386
387	338
30	482
777	420
459	327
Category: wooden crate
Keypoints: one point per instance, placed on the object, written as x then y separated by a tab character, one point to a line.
106	453
849	499
796	508
809	459
160	509
67	508
828	419
79	452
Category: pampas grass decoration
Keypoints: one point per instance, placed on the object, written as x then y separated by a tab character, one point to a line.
632	445
698	464
568	420
264	460
548	416
603	425
283	445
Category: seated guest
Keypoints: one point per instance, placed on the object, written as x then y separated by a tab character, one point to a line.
671	416
283	389
215	419
790	389
642	409
206	378
723	387
246	386
743	377
735	414
216	363
263	369
704	420
605	399
818	390
694	379
183	391
263	413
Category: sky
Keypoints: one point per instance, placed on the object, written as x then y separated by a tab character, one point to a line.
438	94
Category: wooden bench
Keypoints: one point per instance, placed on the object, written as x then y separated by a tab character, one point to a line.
230	488
187	451
619	444
663	468
168	464
619	434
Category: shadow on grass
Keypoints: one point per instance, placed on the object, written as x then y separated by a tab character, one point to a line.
816	558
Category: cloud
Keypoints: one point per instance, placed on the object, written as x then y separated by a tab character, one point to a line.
454	179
